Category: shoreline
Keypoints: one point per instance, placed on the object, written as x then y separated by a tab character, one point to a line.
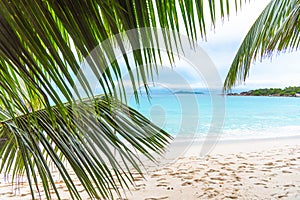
260	144
192	147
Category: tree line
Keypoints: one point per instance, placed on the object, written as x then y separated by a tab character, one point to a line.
290	91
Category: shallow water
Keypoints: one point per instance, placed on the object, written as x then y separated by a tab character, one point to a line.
245	116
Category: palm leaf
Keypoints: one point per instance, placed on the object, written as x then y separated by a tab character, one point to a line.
275	30
92	127
41	46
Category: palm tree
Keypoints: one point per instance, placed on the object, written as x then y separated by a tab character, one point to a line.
275	30
42	44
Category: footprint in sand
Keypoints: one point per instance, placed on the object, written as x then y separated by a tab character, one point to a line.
25	194
174	174
218	178
162	185
259	184
200	169
269	164
240	157
212	182
140	185
237	178
266	170
138	179
237	184
269	167
213	170
274	174
229	169
159	198
283	195
264	180
210	193
186	183
210	188
156	175
182	170
199	180
223	174
82	190
231	197
289	185
286	172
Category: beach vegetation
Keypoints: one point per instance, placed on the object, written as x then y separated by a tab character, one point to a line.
290	91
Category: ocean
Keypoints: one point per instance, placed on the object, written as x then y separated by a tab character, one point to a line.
237	117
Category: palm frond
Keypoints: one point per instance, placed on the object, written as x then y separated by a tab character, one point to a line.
275	30
42	44
87	141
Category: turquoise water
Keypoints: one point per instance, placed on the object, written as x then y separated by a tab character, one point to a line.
245	117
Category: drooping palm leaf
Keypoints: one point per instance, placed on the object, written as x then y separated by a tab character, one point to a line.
276	29
87	139
41	46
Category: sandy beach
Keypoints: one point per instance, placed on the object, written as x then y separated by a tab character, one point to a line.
248	169
260	169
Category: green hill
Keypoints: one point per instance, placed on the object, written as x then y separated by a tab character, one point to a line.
290	91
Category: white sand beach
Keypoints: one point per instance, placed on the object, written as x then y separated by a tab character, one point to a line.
262	169
249	169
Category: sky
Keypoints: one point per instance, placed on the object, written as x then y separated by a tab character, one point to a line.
223	42
221	45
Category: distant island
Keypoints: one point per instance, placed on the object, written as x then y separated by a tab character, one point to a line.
188	92
286	92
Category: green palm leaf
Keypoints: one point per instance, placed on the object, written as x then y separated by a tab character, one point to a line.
86	139
275	30
44	118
